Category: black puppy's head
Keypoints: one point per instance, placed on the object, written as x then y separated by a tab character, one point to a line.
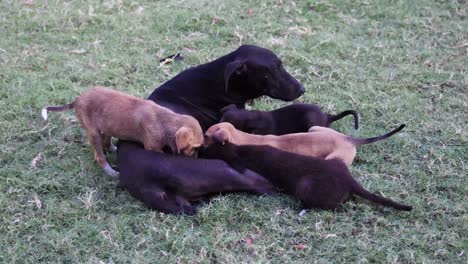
219	150
248	121
258	71
234	115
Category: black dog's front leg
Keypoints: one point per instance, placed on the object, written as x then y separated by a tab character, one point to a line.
236	165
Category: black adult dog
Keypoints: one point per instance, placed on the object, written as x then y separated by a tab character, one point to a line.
245	74
295	118
174	184
317	183
202	91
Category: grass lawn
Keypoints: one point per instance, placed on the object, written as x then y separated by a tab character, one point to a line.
392	61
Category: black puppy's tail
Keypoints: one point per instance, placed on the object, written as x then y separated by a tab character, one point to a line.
363	141
359	190
56	109
333	118
228	108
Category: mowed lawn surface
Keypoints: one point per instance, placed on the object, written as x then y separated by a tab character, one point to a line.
393	61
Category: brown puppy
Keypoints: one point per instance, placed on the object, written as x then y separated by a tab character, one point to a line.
104	113
317	183
320	142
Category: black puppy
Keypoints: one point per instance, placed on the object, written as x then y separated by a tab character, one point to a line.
295	118
317	183
201	91
171	184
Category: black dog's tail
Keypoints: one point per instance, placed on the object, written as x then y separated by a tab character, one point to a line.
359	190
56	109
333	118
363	141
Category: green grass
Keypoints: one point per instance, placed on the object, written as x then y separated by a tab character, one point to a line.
392	61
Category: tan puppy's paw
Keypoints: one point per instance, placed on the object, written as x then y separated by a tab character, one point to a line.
110	171
112	148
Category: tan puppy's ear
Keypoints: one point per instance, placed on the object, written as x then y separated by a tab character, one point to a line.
183	137
221	136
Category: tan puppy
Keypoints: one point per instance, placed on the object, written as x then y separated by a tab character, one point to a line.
104	113
320	142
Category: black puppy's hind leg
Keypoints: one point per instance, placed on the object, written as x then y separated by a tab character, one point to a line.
256	183
158	199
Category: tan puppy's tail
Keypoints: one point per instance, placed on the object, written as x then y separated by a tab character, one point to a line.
363	141
56	109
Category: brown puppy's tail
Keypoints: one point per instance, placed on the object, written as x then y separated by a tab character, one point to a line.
359	190
363	141
56	109
333	118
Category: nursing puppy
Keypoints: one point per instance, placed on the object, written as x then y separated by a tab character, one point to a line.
319	142
103	113
317	183
290	119
174	184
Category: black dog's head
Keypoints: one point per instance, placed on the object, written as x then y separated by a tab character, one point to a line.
257	71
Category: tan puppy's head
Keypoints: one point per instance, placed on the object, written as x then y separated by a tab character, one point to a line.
219	133
188	140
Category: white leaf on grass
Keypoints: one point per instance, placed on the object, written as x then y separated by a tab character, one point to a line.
300	31
318	225
91	11
462	45
239	35
88	199
36	160
330	235
36	201
277	41
139	10
77	51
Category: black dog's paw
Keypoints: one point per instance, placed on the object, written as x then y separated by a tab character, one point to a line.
120	186
115	167
189	210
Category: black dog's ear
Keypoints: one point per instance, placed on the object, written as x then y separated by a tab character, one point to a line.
238	67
